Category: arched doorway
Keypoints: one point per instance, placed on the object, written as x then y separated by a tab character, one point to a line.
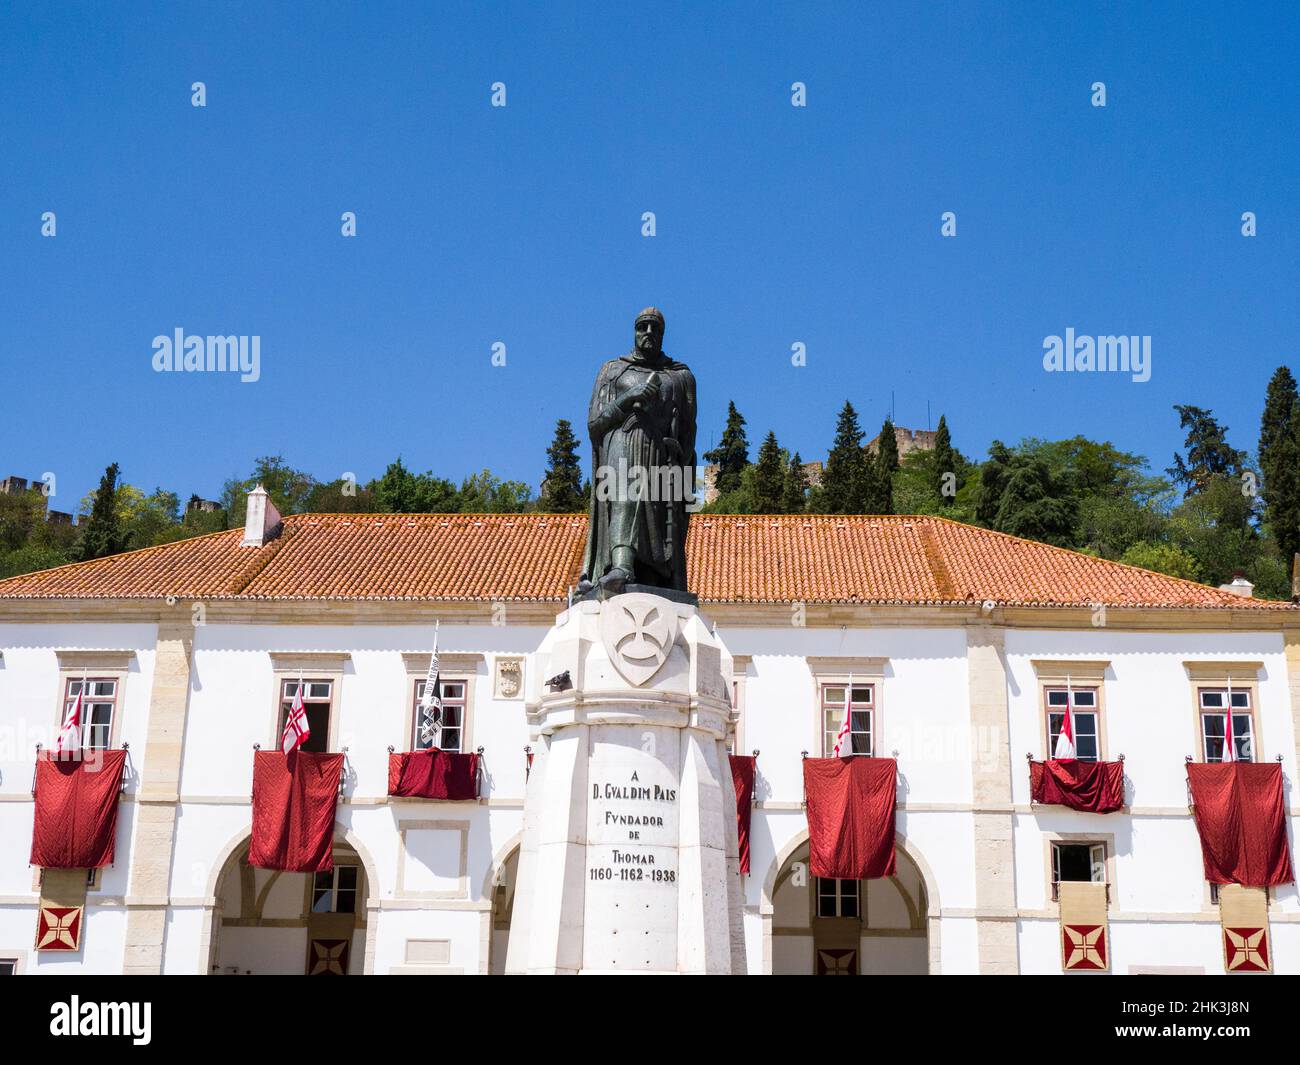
504	880
848	927
268	922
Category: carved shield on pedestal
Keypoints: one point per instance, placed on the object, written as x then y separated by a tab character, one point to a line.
638	631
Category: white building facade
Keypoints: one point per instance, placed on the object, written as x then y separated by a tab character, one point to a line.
959	687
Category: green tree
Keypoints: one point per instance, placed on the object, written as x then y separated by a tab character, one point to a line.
1162	558
399	491
1279	462
21	514
288	488
994	475
340	497
1209	455
32	557
562	491
769	477
731	456
794	491
885	462
944	464
844	481
1215	527
484	493
1033	505
103	535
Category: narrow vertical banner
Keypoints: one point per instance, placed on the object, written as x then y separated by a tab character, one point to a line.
1243	914
1085	931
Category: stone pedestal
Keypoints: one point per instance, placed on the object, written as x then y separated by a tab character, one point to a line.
629	857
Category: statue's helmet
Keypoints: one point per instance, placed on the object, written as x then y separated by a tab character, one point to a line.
653	314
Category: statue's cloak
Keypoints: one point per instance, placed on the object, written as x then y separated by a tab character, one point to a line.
654	523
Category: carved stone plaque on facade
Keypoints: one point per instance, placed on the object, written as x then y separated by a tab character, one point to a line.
509	678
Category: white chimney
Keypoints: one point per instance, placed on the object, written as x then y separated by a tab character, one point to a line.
1239	586
262	520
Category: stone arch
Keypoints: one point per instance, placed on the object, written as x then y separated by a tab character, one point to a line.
908	853
497	878
238	843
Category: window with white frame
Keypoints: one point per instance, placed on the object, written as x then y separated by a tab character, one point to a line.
1074	862
97	709
861	722
335	890
1084	703
837	898
317	699
8	966
453	716
1214	723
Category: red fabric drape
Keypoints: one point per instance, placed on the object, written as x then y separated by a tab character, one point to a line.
75	824
850	816
294	799
1240	818
1097	787
742	777
433	774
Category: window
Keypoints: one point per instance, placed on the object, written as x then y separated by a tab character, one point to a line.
97	709
1214	714
335	891
861	723
1075	862
1084	702
453	716
837	898
8	966
317	697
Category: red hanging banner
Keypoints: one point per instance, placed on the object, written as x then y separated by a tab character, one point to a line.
851	805
742	777
433	774
1241	821
75	824
295	797
1096	787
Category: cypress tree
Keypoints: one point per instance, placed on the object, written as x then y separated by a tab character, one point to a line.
562	490
103	536
1283	497
945	462
769	477
885	462
731	456
1279	450
844	482
794	494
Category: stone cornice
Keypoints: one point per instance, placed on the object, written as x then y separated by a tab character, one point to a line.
543	614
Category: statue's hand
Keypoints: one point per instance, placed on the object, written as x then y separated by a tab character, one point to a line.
674	449
647	388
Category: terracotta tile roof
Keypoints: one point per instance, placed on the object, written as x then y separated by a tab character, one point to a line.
735	559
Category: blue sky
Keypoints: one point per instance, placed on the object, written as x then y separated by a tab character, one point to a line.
522	224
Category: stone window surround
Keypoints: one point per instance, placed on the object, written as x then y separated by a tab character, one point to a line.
1211	674
95	665
838	670
1054	673
1106	839
740	674
462	667
290	665
17	956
